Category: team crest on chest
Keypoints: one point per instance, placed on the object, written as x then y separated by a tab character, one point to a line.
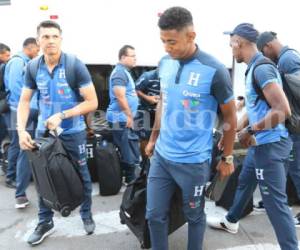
62	74
193	79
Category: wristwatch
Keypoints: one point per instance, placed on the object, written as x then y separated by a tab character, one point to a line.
62	115
250	131
227	159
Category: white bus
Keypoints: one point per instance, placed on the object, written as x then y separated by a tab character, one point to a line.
94	30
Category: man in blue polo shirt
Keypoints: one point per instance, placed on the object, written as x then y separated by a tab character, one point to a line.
18	165
288	62
4	57
148	89
122	110
193	85
59	105
265	161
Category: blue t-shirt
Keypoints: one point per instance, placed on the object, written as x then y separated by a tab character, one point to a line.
191	91
289	61
121	77
149	84
264	74
14	80
55	94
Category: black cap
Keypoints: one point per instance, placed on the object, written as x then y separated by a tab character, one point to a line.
264	38
245	30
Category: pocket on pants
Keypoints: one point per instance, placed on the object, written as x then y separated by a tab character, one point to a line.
130	146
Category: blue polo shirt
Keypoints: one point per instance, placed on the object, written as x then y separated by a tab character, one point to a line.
121	77
265	74
148	83
191	91
289	61
55	94
14	80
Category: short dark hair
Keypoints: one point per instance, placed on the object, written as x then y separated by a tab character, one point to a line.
265	38
175	18
48	24
123	50
29	40
3	48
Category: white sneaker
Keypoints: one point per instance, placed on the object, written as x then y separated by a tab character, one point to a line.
223	223
21	202
259	207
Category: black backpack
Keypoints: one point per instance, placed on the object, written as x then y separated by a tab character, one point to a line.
291	87
3	94
258	90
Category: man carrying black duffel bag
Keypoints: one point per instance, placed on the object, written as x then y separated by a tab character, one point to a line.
62	81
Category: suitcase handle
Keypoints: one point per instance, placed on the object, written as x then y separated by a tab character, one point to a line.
145	163
47	133
37	146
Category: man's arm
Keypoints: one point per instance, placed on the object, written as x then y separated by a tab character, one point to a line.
280	109
229	127
229	131
89	104
148	98
25	140
120	94
242	122
15	75
156	128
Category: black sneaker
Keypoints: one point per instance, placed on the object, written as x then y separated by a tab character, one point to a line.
259	207
89	225
297	220
10	183
40	233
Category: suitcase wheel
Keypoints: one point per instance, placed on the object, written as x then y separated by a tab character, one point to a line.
65	211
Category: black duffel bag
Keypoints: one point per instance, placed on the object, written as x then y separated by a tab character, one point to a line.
56	175
133	208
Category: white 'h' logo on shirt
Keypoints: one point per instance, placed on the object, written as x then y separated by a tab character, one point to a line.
193	80
62	74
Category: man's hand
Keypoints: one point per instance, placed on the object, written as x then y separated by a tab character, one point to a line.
225	169
245	138
25	140
53	121
129	123
149	149
153	99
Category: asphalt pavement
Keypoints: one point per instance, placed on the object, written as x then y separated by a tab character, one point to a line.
255	230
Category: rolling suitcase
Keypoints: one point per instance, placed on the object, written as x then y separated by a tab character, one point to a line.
91	158
56	178
108	168
133	208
